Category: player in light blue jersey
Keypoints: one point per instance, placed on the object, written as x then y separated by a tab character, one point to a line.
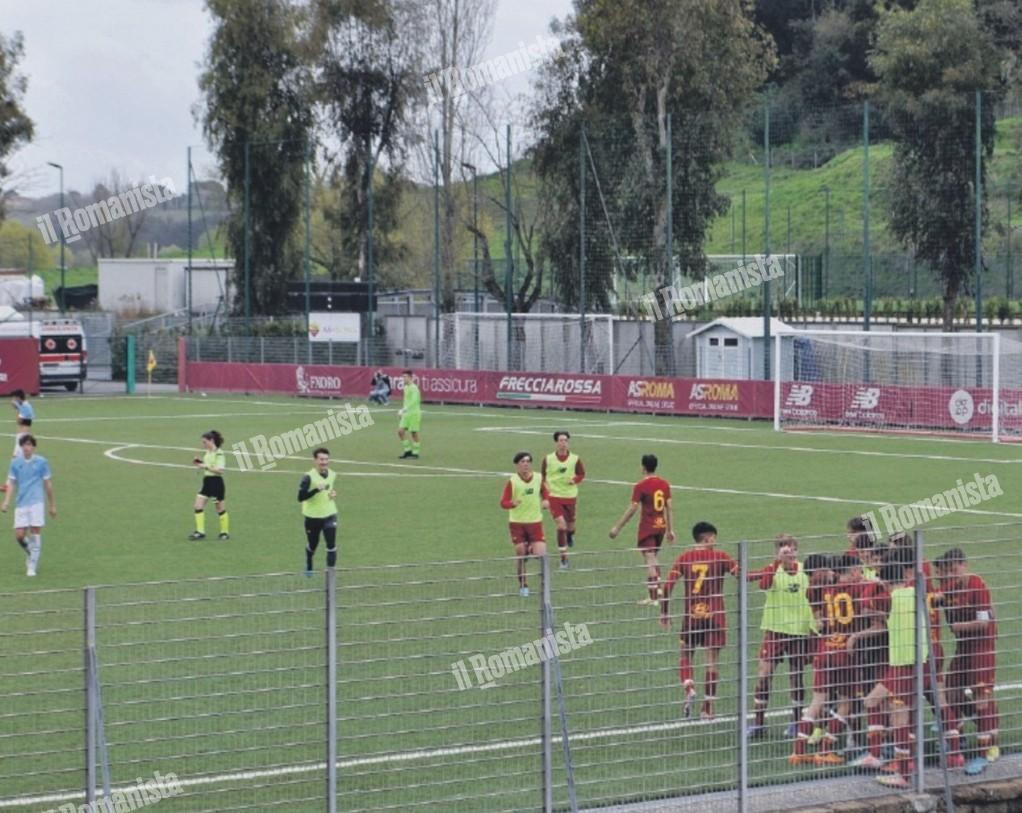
24	415
29	479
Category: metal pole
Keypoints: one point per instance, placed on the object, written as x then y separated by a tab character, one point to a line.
510	268
766	239
189	241
308	233
90	695
669	244
475	260
546	733
370	271
743	679
826	241
63	237
979	211
743	227
921	639
436	248
248	238
331	690
867	265
1010	281
582	247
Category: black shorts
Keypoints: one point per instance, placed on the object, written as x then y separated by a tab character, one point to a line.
213	488
315	525
25	421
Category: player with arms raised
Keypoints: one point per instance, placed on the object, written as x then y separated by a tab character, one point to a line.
702	569
656	522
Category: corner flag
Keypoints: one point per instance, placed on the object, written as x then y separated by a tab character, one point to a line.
151	363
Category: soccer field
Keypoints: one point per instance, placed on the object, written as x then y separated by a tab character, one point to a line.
124	486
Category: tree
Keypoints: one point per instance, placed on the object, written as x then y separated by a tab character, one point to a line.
365	78
456	34
116	237
623	69
930	62
16	127
256	91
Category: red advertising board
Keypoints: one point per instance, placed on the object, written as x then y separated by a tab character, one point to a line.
19	365
671	396
942	408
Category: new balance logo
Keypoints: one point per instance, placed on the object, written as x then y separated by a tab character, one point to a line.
866	398
800	395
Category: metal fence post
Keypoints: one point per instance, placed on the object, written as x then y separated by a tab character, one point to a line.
331	690
743	677
228	349
546	735
90	695
922	633
262	349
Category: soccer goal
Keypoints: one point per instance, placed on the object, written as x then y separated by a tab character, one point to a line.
961	384
540	342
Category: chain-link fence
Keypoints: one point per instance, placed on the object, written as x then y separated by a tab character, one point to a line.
453	692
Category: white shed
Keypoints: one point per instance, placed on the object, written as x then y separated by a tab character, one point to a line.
733	347
141	284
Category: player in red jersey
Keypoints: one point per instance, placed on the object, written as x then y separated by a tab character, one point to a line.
703	621
525	497
656	522
970	615
562	471
842	607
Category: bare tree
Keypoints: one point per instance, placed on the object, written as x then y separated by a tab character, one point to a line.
457	32
115	236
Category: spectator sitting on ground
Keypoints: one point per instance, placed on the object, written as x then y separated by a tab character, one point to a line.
380	389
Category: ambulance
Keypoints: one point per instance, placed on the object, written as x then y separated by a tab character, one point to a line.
63	356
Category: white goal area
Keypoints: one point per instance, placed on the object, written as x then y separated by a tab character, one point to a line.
962	384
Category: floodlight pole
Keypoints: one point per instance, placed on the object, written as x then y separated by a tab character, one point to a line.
63	240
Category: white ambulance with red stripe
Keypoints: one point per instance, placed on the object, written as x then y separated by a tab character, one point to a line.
63	355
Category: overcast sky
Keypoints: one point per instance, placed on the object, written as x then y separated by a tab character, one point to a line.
112	83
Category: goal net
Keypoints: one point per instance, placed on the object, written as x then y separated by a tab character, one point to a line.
540	342
963	384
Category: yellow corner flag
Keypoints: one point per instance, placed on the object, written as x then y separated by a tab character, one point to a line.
151	363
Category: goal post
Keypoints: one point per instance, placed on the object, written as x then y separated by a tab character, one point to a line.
959	384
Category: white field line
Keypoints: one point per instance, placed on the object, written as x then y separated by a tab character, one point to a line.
405	469
429	753
113	455
513	430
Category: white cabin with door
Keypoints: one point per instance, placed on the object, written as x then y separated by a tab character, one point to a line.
733	347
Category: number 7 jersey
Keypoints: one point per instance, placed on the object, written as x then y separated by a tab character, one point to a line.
702	570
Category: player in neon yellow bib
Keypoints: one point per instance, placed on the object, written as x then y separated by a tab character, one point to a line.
562	471
410	417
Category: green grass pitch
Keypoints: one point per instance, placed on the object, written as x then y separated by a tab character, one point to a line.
180	696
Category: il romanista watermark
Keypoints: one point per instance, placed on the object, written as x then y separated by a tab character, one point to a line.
266	451
73	222
133	797
718	286
487	670
897	519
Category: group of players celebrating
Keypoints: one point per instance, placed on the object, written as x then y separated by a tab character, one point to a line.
852	616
